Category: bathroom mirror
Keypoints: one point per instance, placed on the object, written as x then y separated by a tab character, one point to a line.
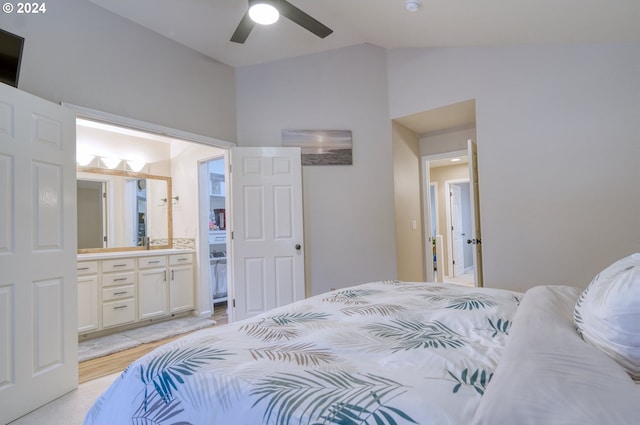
123	211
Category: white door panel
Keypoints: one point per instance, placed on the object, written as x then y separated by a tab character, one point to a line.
38	332
267	256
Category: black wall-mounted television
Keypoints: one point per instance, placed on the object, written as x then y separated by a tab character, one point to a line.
10	57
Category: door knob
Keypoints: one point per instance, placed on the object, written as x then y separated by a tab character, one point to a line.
298	247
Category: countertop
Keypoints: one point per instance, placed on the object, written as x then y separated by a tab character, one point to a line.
141	253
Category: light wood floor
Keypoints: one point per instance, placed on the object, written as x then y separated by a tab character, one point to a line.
103	366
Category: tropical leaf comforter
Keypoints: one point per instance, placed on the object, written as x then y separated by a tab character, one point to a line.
380	353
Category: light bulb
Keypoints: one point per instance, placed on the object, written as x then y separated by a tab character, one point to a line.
264	13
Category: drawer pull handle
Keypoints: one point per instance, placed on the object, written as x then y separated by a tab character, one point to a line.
119	307
154	262
120	279
120	293
83	268
119	265
182	259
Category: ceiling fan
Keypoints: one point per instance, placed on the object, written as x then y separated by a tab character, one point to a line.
272	9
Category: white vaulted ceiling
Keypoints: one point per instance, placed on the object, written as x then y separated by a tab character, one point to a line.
207	25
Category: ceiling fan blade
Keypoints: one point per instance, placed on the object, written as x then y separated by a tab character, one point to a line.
305	21
244	28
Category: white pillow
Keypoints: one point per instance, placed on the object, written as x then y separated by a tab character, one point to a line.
607	314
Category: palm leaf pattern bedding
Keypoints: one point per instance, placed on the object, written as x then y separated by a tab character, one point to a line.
380	353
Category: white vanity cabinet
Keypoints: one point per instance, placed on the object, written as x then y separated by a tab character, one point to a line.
181	282
122	289
87	279
118	292
153	287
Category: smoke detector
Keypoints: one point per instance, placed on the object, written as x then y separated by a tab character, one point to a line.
412	5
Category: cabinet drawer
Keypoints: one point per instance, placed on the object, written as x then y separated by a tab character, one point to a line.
122	264
118	279
118	312
118	292
148	262
87	267
178	259
218	237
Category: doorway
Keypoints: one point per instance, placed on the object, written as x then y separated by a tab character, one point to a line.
163	151
450	206
213	195
459	255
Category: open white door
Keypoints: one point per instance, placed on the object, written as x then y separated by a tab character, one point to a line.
267	229
38	251
476	237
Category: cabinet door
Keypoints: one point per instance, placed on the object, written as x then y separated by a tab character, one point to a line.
152	293
181	288
87	303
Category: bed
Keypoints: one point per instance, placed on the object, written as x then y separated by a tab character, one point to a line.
385	352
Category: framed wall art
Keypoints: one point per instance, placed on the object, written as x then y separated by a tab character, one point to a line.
321	147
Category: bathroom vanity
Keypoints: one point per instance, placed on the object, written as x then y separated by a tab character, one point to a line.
117	289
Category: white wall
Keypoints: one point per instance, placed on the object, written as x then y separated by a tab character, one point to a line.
85	55
558	150
348	209
185	159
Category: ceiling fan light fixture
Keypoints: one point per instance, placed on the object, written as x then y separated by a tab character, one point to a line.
263	12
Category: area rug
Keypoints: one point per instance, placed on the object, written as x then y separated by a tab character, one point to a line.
109	344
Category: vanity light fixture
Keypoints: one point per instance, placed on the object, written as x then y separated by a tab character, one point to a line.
111	163
136	166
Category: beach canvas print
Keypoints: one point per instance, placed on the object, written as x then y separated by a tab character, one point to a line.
321	147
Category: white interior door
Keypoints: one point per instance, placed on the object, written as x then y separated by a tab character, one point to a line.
267	229
38	251
428	214
476	237
457	231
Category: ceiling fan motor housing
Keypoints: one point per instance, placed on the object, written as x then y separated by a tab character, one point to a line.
284	8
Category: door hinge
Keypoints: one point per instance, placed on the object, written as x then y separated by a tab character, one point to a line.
104	238
232	234
233	303
104	195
